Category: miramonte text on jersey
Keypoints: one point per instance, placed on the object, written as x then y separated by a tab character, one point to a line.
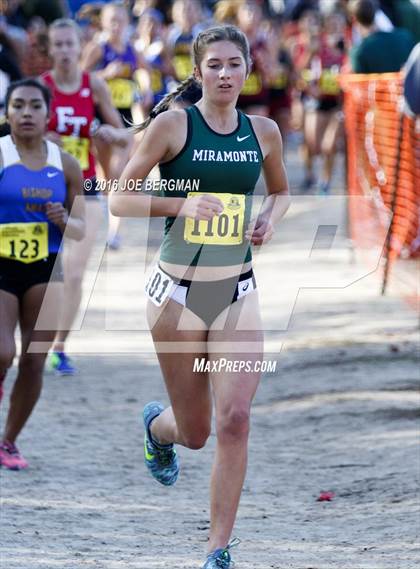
205	155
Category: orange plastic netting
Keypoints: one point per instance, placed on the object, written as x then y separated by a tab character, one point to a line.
383	163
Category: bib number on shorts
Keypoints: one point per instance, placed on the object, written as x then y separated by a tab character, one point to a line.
78	148
223	229
158	286
25	242
122	92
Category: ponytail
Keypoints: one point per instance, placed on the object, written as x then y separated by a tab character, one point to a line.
165	103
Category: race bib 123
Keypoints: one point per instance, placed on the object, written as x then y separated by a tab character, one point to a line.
25	242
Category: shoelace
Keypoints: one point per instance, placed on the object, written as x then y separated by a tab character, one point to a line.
65	359
221	561
226	563
10	448
165	456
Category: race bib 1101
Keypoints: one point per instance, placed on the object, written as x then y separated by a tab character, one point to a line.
223	229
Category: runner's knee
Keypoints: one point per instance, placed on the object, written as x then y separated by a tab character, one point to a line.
7	354
313	147
197	438
328	148
32	364
74	281
233	423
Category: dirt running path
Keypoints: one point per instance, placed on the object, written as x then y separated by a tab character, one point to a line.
339	414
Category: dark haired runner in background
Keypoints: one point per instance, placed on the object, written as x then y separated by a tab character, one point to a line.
38	187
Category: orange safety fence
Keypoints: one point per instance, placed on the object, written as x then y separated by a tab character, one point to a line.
383	159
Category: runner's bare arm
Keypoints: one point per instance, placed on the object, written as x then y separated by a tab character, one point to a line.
277	201
70	218
147	91
113	132
152	149
162	140
91	54
102	98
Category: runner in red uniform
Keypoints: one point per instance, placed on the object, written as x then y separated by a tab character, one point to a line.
76	96
72	116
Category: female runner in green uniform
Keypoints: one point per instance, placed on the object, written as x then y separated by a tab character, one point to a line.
203	293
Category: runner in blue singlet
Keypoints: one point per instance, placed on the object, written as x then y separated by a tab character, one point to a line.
38	187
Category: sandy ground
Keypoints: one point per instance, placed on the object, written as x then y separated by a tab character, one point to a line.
339	414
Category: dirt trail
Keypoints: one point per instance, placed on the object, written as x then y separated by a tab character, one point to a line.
339	414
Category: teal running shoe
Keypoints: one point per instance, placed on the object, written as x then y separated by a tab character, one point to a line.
61	364
161	460
220	558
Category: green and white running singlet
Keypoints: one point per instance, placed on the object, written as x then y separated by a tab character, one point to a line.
226	165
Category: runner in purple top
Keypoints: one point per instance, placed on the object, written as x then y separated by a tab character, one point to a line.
115	59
